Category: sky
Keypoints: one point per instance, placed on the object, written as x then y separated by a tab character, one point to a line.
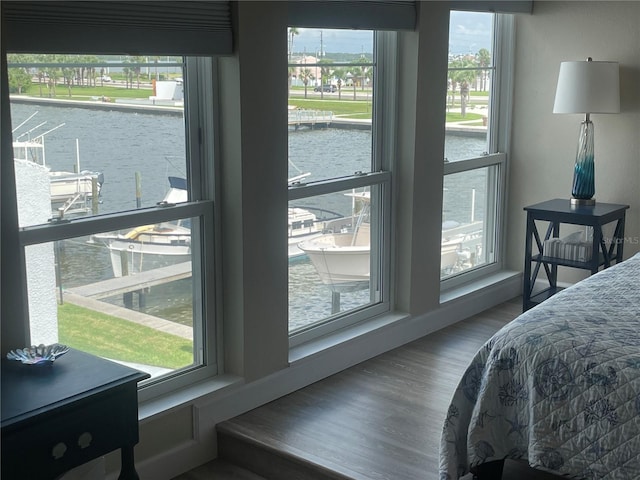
469	32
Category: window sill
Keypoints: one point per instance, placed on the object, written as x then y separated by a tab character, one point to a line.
480	285
313	347
217	385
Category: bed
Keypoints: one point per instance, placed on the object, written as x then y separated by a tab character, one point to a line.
558	387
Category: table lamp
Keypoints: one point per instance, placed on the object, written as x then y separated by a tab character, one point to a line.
587	87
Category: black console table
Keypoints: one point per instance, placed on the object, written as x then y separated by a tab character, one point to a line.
559	211
57	417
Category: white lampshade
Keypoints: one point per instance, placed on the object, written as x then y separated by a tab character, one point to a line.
588	87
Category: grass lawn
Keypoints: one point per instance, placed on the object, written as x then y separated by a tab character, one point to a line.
86	93
456	117
338	107
360	109
117	339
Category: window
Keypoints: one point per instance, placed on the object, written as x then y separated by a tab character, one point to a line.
475	161
114	208
339	178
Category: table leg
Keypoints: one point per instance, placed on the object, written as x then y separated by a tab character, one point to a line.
128	468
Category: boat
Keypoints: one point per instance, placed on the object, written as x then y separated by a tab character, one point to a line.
70	192
153	246
150	246
147	247
342	259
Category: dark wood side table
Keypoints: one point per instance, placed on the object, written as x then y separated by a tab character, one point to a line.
57	417
559	211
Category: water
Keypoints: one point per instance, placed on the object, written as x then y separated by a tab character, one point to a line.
120	143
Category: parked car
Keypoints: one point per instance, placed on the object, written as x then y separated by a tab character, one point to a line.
326	88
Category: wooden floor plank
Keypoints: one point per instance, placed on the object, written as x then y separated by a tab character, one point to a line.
380	419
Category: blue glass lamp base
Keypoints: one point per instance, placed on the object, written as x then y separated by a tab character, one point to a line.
584	170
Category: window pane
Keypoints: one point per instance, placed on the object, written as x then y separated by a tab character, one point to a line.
126	296
468	238
117	121
330	264
330	102
469	85
334	238
132	295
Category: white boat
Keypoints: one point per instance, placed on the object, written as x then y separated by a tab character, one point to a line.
342	259
153	246
147	247
150	246
70	192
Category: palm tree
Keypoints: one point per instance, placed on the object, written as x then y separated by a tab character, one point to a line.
357	76
68	74
460	73
137	69
290	76
484	61
54	74
325	73
293	31
340	73
306	75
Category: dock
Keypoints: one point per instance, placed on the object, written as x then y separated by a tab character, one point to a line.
133	283
309	118
88	296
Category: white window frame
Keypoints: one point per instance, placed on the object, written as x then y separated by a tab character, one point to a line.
383	151
199	78
498	144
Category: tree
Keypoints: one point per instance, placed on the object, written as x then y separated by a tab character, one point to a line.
306	75
340	73
461	72
293	31
19	79
54	75
484	61
137	69
291	74
68	73
356	77
325	73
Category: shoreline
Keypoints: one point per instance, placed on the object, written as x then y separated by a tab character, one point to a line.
456	128
118	106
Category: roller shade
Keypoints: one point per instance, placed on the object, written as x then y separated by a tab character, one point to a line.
496	6
116	27
363	14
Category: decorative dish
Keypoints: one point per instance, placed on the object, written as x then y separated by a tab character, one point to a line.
38	355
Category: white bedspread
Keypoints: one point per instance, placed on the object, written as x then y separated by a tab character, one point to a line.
559	386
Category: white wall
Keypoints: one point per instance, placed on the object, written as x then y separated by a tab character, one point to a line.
32	187
544	144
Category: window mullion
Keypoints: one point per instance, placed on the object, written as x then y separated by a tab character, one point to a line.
118	221
337	185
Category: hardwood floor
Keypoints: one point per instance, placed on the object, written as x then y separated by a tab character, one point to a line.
380	419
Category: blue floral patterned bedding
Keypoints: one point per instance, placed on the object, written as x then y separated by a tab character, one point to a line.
559	386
